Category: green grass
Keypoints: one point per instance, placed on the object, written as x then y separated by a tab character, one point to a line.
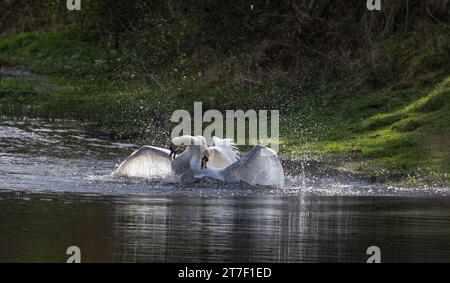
395	114
393	106
410	136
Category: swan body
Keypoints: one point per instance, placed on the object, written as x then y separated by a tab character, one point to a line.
260	166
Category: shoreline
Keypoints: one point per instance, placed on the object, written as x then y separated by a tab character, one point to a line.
336	167
393	134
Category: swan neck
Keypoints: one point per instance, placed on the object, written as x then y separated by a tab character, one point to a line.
195	162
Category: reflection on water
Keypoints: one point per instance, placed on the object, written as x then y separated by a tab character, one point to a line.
183	228
57	190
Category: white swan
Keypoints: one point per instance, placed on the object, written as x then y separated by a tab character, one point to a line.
156	162
260	166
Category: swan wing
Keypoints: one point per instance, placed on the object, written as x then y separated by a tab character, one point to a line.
146	162
218	158
228	148
260	166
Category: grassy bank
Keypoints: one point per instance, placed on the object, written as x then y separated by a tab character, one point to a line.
385	114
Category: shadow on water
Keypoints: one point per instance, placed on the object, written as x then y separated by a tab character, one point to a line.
57	190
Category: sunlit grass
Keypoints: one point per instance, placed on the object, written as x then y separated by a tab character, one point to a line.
382	119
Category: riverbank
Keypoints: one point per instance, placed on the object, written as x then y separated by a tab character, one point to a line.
386	119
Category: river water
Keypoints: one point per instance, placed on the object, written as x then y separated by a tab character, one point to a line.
57	190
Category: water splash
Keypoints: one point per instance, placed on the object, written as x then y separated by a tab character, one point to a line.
64	157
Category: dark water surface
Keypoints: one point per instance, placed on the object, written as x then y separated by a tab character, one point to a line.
57	190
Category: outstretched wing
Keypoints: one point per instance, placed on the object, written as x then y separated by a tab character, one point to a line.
228	148
146	162
260	166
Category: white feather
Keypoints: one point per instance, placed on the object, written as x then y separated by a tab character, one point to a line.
260	166
146	162
228	147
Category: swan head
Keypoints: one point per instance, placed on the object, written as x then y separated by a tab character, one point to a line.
204	162
186	140
173	151
200	155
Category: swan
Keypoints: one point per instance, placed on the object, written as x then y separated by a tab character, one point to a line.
157	162
260	166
